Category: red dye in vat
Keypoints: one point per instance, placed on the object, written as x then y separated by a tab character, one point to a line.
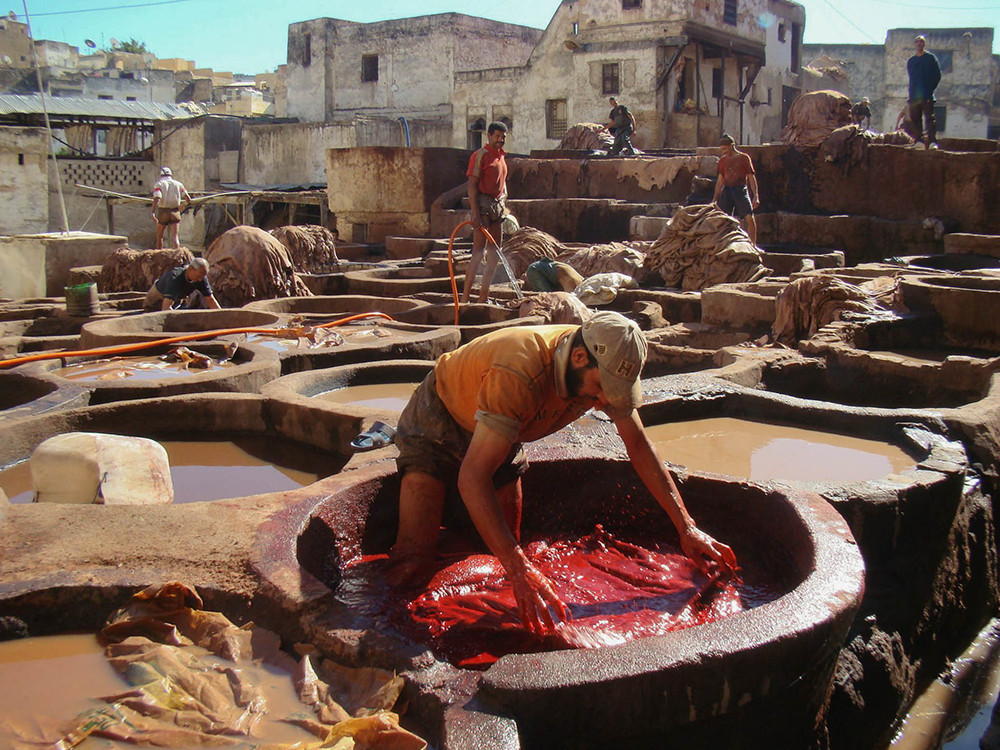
615	591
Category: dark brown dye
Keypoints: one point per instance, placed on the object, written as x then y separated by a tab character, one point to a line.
134	368
214	470
616	591
385	396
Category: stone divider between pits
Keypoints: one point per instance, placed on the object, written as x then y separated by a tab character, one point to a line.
298	415
127	329
253	367
765	669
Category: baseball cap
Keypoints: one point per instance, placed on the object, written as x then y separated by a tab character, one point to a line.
620	350
166	171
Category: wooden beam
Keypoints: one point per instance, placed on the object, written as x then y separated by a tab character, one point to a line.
109	204
670	66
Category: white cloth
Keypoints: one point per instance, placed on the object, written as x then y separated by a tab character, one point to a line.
170	192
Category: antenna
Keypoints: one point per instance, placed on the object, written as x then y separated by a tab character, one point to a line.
115	44
90	43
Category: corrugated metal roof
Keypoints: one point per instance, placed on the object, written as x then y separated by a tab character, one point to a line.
15	104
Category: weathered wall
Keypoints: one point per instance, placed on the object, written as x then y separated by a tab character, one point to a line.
417	60
24	208
963	188
296	153
390	190
865	68
182	148
86	213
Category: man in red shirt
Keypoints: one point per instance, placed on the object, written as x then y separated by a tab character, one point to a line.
487	175
736	174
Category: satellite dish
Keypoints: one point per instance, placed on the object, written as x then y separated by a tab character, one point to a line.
115	44
6	60
90	43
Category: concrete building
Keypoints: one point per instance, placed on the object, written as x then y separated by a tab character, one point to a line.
15	44
687	71
338	69
967	97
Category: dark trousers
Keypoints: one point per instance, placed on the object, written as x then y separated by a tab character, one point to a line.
623	138
921	111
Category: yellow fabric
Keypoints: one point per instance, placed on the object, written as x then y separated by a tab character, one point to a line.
509	380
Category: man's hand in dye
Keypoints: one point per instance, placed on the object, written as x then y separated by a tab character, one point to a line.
534	595
708	553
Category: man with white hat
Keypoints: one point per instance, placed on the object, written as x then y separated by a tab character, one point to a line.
170	200
465	424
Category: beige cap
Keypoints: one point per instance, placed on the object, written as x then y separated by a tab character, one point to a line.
620	350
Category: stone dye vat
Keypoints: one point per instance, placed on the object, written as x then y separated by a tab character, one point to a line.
329	308
395	282
474	319
968	306
305	403
154	326
357	342
155	372
737	674
926	532
206	470
22	394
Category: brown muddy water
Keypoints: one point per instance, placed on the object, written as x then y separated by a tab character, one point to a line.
134	368
759	451
386	396
61	676
215	470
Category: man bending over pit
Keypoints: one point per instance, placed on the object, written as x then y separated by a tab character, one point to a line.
465	424
182	287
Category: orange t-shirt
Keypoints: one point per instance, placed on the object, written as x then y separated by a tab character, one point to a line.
735	169
489	168
508	381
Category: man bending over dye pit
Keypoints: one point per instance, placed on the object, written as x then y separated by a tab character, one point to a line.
465	425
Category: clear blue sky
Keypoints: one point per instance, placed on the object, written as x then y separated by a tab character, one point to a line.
250	36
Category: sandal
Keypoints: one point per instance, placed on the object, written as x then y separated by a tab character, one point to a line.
379	435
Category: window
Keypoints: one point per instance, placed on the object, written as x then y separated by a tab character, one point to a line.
782	32
105	97
717	82
729	12
609	78
944	58
307	50
941	118
369	68
556	116
796	41
576	28
626	4
130	98
20	160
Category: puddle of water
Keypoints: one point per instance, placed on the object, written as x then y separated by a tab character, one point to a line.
214	470
62	676
385	396
134	368
360	335
760	451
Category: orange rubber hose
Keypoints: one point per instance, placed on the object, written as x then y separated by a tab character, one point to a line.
451	262
139	345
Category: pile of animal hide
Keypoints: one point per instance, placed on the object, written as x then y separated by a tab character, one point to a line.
811	302
814	116
587	136
702	246
311	247
128	270
248	264
528	244
849	144
558	308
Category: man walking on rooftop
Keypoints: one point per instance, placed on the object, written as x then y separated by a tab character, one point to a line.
925	75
